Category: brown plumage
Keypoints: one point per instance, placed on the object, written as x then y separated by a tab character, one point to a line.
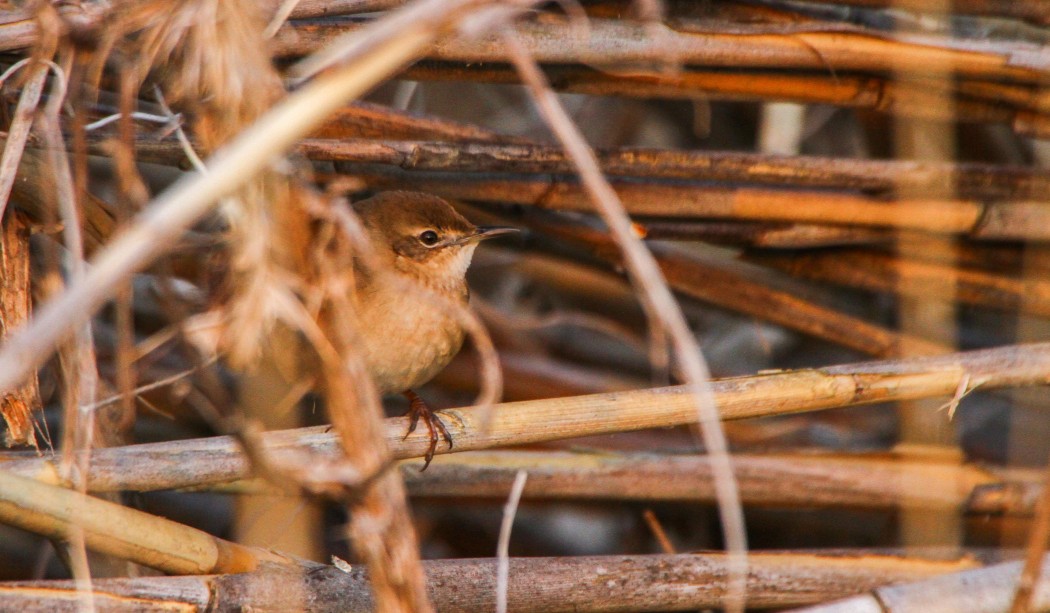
420	242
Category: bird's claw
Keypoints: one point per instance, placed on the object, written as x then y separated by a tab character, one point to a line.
418	409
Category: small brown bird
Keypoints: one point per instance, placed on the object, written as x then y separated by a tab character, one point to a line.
422	240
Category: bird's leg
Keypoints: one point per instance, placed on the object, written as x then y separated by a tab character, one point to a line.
418	409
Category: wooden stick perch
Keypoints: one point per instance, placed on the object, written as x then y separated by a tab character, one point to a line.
218	459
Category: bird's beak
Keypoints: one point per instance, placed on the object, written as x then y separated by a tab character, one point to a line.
486	232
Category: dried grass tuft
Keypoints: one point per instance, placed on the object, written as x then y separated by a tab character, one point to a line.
208	55
211	60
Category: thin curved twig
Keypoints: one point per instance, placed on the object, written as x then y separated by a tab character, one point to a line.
503	546
660	305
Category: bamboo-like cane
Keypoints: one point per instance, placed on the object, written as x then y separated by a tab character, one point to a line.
115	530
218	459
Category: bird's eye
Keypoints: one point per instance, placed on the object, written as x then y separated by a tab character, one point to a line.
428	238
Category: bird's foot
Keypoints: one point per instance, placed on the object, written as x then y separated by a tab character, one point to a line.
418	409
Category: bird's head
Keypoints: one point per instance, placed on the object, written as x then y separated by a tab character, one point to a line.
423	236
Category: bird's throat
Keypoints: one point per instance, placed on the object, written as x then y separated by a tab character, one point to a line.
445	272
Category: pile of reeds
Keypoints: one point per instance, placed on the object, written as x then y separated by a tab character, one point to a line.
732	206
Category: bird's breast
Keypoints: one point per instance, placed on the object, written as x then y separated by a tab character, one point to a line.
407	339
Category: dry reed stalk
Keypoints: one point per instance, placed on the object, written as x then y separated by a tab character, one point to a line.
527	376
883	481
78	359
1038	539
1028	10
658	531
380	525
797	46
977	181
18	132
979	101
931	318
322	8
78	370
35	195
524	159
666	320
593	584
1028	98
596	288
760	234
366	120
132	196
17	405
503	544
125	533
218	71
19	30
882	272
993	257
984	590
977	219
179	464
